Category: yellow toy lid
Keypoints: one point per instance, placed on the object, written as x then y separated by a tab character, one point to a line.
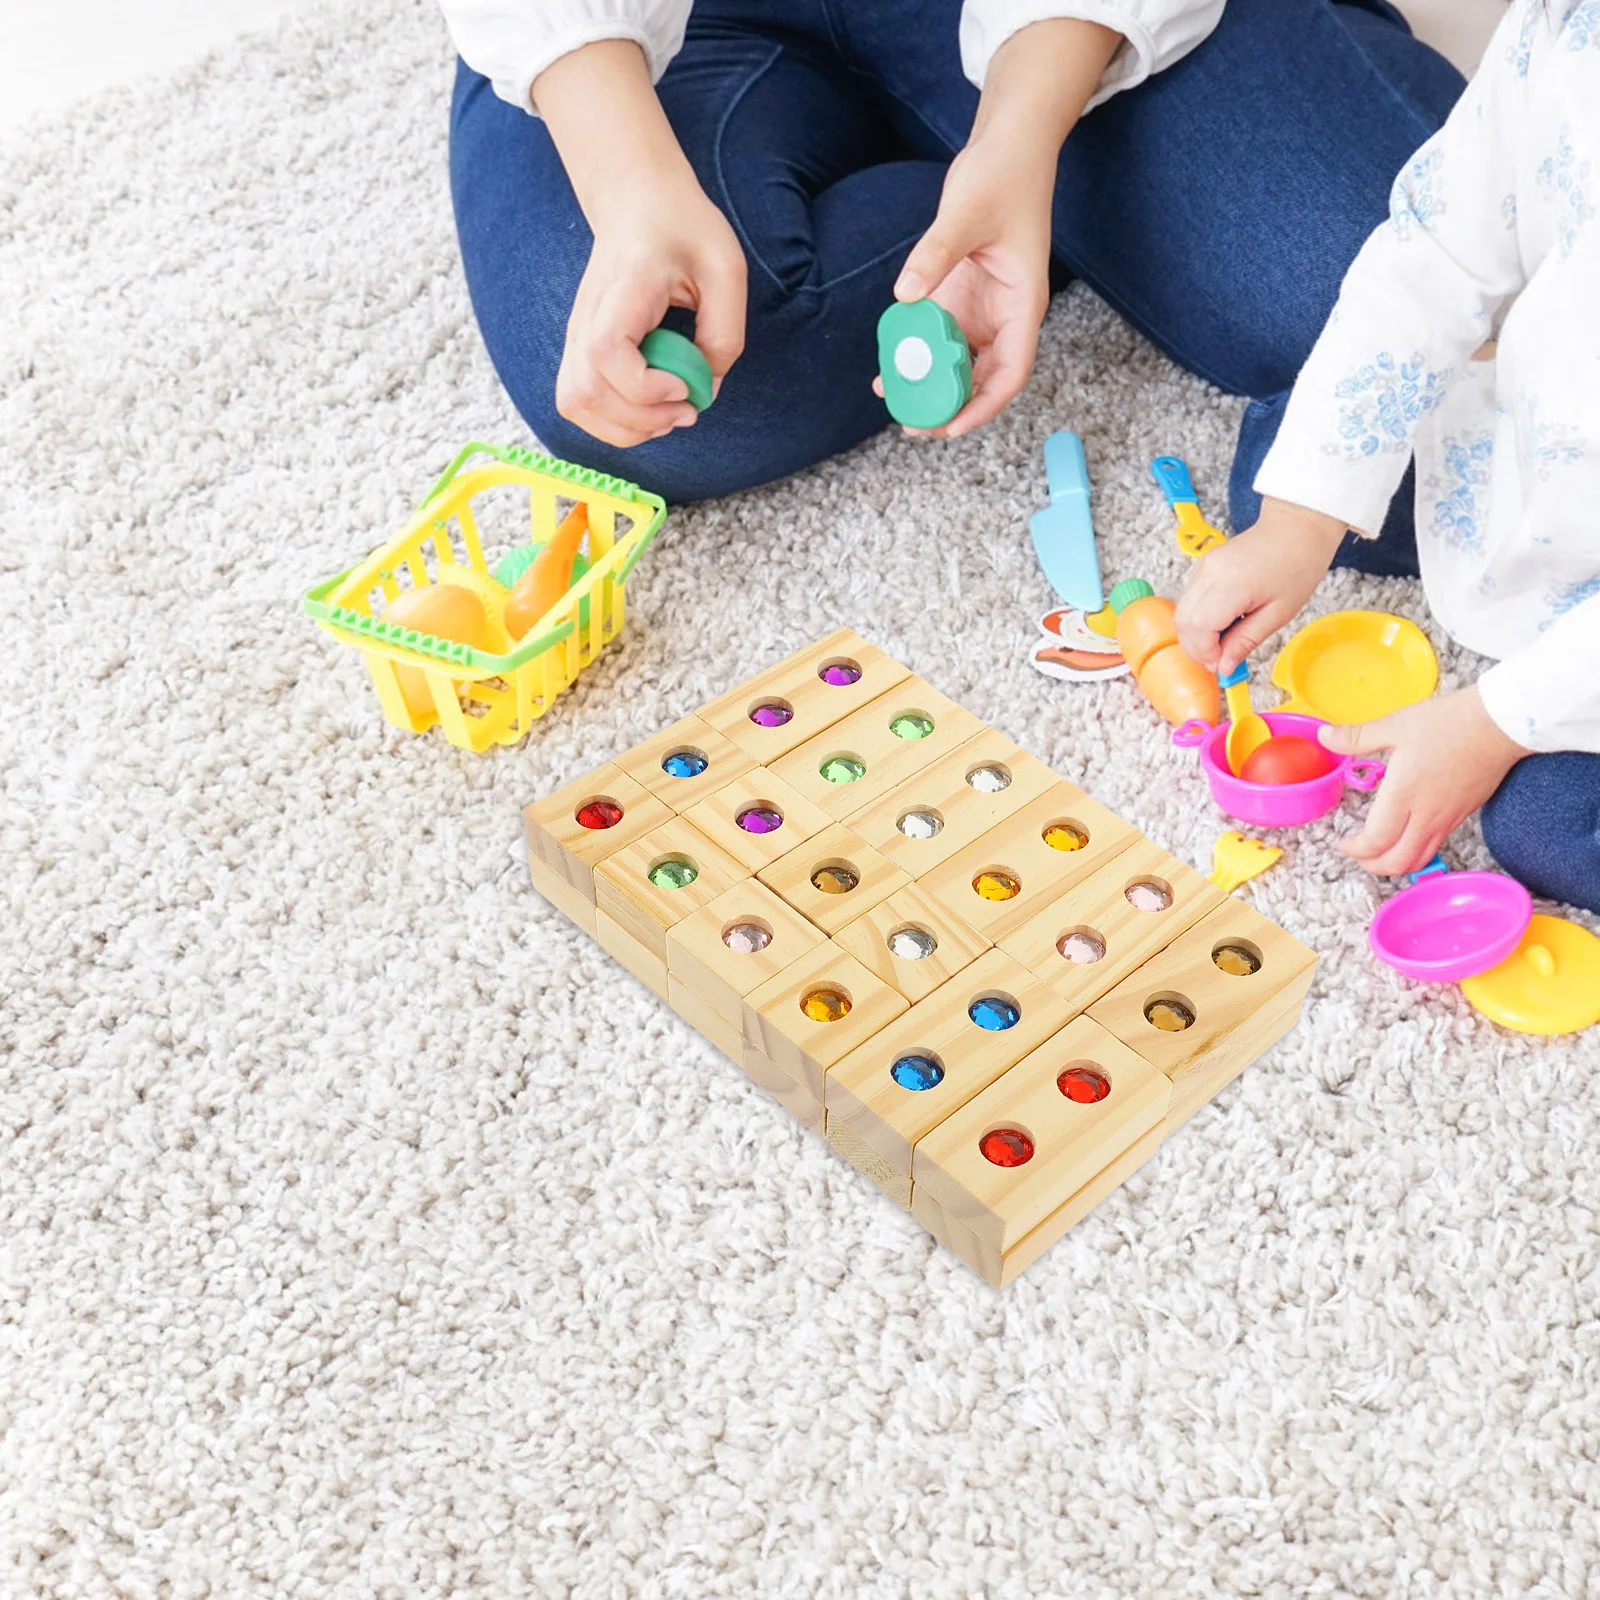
1354	666
1549	984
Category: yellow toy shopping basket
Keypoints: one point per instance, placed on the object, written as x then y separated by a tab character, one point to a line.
484	697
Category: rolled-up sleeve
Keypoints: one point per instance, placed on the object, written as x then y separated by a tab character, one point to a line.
1157	33
511	43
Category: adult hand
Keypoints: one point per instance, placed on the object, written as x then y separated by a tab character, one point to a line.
1240	594
1446	757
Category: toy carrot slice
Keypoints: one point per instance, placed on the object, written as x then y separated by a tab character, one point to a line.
547	579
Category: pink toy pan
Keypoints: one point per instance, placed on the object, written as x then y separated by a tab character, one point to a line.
1275	805
1451	925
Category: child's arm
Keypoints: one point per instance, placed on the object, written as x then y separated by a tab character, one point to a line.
659	241
1419	299
1041	64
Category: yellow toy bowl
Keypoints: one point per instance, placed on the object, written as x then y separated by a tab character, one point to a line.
491	696
1355	666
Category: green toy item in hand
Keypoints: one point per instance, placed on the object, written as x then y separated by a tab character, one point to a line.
671	352
924	364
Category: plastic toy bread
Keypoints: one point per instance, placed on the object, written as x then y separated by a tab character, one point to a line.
1180	689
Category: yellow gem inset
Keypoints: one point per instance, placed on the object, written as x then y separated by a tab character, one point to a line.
996	886
1236	960
1063	836
1168	1016
825	1005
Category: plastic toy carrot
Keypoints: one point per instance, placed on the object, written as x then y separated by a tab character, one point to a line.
1180	689
547	579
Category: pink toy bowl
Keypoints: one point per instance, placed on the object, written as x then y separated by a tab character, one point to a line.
1452	925
1276	805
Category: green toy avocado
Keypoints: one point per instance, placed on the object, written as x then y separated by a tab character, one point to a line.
924	364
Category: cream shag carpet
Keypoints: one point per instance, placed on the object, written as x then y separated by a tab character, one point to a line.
365	1232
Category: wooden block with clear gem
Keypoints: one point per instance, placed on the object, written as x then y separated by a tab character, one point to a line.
892	941
716	953
801	1045
953	801
999	1269
1168	899
633	914
833	878
797	686
563	853
1236	1015
999	881
1058	1143
696	740
856	761
760	798
862	1095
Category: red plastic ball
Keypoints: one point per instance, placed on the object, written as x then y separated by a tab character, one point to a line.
1286	758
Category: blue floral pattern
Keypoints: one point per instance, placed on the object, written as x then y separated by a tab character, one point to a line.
1381	403
1581	27
1417	199
1563	177
1564	597
1462	487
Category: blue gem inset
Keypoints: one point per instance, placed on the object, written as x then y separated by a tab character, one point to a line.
917	1072
685	764
995	1014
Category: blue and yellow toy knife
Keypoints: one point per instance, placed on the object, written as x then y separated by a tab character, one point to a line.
1063	533
1194	534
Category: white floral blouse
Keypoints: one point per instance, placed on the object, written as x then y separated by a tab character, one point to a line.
1492	230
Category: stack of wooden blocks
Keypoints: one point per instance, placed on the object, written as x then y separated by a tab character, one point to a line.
991	994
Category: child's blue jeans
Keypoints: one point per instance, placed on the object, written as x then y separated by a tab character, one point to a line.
1543	823
1216	206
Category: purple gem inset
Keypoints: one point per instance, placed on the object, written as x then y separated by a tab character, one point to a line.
760	819
773	716
840	674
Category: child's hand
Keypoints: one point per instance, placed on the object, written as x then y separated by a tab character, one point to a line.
986	260
655	246
1446	758
1245	590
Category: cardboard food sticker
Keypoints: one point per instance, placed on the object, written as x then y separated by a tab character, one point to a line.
1073	651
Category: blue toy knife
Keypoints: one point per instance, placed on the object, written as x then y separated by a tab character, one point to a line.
1063	533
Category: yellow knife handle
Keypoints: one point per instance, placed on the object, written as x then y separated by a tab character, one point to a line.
1195	535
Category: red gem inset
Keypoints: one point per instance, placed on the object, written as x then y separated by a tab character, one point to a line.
1083	1085
598	814
1006	1147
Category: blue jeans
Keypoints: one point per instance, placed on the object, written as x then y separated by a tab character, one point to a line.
1216	207
1543	823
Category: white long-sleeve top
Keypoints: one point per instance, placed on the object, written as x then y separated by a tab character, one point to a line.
512	41
1493	223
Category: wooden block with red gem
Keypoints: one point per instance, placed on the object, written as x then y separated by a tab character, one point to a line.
985	990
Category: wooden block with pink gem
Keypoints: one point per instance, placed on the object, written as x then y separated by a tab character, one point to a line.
988	992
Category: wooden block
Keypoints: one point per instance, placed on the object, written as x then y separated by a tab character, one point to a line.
765	794
1001	1270
948	789
910	909
1018	851
621	946
691	736
701	962
1070	1141
861	1092
861	1155
797	683
1100	909
571	851
837	854
727	1036
803	1049
795	1098
562	895
1235	1018
866	737
622	887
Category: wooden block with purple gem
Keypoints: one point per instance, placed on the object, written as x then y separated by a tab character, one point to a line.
992	995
